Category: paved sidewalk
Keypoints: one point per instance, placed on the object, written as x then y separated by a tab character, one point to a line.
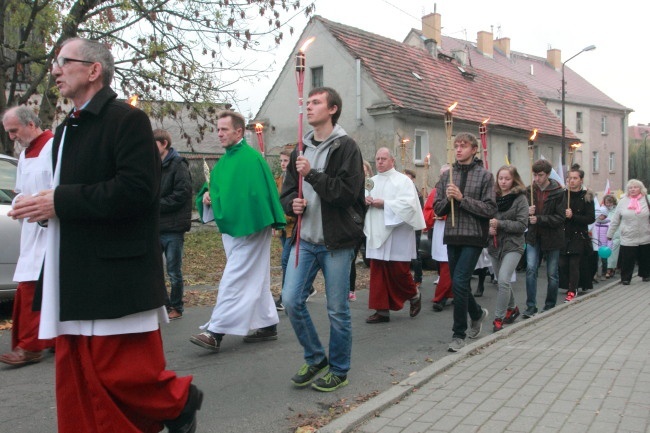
581	367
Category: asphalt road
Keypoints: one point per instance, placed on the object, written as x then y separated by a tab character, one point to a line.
247	387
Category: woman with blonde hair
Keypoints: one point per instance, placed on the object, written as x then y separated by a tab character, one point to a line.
506	243
632	216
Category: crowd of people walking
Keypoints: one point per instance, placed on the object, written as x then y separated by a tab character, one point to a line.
117	183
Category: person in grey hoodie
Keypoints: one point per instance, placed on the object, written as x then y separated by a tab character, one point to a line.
332	212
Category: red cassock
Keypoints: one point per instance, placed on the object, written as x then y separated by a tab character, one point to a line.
24	331
391	284
116	383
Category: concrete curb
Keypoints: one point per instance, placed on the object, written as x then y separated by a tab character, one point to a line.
353	419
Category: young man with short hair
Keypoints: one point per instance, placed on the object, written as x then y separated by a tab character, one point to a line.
545	235
332	211
175	216
471	193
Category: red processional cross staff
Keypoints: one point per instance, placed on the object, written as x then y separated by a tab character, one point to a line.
300	80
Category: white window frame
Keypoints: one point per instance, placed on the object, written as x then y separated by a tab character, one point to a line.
595	161
322	77
579	121
612	162
603	125
421	145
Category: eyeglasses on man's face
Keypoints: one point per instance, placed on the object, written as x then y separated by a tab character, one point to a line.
62	61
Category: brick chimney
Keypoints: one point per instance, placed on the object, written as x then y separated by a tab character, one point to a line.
503	44
554	58
431	27
484	44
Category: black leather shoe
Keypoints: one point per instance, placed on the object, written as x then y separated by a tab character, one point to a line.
378	318
416	306
261	335
625	283
186	421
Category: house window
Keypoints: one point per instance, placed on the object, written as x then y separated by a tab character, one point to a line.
579	122
594	162
612	162
549	154
603	125
317	77
421	146
511	151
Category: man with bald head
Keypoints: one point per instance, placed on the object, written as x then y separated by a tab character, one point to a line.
394	214
34	174
103	285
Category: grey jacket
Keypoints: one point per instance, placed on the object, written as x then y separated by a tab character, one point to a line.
511	227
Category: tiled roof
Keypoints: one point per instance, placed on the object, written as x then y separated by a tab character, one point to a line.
392	65
543	79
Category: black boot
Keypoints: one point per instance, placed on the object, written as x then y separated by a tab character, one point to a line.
186	421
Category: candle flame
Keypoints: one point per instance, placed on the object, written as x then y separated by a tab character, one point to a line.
576	145
259	128
452	106
532	137
486	121
426	160
133	100
306	44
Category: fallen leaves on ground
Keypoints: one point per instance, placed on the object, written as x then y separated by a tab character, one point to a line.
311	422
204	260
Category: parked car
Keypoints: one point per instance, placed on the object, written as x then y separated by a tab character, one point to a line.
9	228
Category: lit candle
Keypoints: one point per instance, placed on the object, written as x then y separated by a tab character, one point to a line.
574	146
300	80
426	176
133	100
259	131
482	131
531	144
449	127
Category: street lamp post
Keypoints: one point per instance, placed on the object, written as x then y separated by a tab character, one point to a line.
589	48
645	160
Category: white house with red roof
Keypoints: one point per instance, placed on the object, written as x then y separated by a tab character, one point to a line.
395	94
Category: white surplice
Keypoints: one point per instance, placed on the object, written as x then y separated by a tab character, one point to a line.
390	232
244	300
32	176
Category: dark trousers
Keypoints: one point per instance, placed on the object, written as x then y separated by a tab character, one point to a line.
462	261
570	271
628	258
416	263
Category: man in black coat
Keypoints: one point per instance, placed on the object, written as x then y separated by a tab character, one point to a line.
175	216
103	284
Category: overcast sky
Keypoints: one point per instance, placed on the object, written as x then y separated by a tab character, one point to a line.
619	66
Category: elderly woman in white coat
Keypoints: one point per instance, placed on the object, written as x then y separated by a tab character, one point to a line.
632	216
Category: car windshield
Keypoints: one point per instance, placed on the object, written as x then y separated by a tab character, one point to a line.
7	180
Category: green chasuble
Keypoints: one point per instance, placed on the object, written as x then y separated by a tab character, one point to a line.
244	196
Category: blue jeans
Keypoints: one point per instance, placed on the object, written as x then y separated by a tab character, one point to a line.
533	254
335	265
172	247
462	261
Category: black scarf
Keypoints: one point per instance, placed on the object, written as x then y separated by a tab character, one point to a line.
505	201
